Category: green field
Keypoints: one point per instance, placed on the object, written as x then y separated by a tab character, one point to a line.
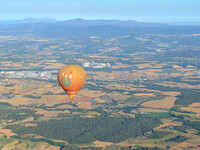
140	99
160	115
4	105
135	99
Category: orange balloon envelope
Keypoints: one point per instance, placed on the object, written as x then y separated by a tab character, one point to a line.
71	78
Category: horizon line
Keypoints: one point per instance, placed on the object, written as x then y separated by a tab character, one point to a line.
114	19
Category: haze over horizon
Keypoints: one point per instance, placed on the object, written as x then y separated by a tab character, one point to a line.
53	20
142	11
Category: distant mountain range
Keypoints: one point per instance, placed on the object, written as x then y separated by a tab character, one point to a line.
80	22
185	23
36	20
29	21
92	36
82	29
86	23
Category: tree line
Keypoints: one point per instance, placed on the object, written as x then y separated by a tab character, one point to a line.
86	130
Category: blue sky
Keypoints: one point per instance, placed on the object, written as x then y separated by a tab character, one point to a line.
140	10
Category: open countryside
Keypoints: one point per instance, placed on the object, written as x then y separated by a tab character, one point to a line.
141	89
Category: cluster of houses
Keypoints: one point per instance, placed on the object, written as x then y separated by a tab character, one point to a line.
96	65
30	74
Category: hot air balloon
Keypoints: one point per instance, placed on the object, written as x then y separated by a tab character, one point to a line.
71	78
